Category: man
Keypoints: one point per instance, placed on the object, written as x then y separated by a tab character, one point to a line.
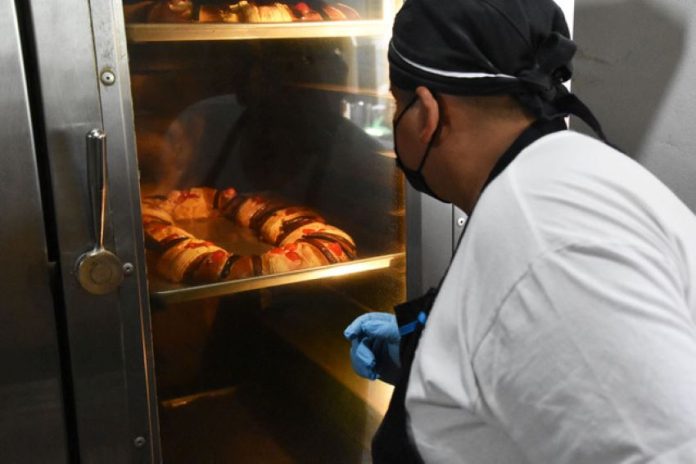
564	331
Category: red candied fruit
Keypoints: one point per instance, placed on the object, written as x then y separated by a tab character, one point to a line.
218	256
293	256
335	249
302	8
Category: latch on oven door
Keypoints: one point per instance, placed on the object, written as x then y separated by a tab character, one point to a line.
99	271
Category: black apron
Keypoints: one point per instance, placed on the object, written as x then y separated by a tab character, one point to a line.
392	443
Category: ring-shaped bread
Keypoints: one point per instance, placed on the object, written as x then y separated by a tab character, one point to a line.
300	236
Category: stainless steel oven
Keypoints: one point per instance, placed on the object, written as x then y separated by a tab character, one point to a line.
125	118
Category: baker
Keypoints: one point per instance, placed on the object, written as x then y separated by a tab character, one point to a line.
564	330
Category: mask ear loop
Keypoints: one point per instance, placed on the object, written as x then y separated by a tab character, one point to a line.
403	112
396	122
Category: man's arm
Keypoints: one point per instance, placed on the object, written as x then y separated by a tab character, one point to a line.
592	359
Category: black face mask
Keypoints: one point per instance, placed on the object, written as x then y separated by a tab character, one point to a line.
415	177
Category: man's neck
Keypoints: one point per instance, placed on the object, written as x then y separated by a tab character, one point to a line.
479	149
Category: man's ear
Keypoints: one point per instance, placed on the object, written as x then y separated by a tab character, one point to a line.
429	114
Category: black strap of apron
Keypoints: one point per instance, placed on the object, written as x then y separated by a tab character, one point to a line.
392	443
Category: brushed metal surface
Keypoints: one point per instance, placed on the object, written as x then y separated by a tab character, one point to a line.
129	245
459	219
429	241
109	362
32	414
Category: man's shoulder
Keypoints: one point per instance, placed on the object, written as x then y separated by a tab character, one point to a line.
567	154
568	187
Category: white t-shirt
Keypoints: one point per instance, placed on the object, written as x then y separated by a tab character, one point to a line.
565	331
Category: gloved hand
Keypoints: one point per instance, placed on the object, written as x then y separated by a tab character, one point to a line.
374	353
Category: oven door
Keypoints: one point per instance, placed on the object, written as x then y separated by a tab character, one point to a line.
98	244
32	412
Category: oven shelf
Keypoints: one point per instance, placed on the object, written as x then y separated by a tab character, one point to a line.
163	293
344	89
191	32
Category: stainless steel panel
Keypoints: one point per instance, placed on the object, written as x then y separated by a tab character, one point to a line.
32	415
117	116
429	241
107	334
459	219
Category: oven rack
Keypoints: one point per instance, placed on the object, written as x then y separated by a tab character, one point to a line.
163	293
191	32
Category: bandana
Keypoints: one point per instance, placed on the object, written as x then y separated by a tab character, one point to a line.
488	47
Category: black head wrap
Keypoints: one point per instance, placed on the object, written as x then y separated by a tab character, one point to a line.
488	47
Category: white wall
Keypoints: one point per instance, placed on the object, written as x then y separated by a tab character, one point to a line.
568	7
636	69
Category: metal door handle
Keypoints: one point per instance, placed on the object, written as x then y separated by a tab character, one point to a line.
99	271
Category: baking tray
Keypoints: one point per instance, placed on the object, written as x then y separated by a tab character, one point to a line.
163	293
242	241
226	234
190	32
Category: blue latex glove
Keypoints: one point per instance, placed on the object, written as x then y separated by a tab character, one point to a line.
374	353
